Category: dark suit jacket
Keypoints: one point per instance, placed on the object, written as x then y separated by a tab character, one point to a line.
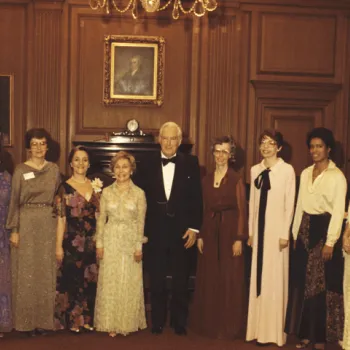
184	204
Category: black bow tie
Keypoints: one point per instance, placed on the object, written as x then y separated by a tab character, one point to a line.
166	161
263	180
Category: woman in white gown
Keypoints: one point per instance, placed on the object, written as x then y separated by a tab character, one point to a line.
120	300
346	248
271	208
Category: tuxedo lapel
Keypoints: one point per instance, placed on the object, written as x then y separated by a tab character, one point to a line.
178	176
159	182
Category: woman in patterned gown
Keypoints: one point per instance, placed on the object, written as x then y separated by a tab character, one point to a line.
220	303
120	300
5	259
315	311
34	184
346	248
76	205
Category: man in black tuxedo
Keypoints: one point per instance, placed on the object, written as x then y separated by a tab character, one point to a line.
171	181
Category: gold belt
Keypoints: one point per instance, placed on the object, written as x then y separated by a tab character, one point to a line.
36	205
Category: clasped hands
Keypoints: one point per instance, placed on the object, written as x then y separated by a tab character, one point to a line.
137	254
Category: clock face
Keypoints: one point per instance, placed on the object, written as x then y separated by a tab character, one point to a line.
132	125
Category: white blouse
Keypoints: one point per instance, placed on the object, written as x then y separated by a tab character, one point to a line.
325	195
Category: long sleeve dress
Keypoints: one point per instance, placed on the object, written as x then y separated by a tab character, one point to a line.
77	275
33	263
5	259
120	232
315	304
267	309
219	303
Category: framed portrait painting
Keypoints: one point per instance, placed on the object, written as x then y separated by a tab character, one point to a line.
133	70
6	108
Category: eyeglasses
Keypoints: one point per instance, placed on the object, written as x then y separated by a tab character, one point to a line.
218	152
268	143
38	144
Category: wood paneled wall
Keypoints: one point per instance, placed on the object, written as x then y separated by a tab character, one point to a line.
251	65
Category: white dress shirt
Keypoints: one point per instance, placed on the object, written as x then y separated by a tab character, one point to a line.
168	176
325	195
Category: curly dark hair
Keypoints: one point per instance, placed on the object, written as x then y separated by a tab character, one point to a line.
225	139
75	150
322	133
274	135
37	133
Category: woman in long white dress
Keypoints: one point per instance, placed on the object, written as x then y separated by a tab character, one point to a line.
120	233
346	248
271	208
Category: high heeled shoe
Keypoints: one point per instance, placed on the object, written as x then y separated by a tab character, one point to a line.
75	330
303	344
88	328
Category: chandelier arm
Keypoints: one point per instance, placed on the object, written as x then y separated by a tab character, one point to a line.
98	4
210	9
122	10
165	6
186	12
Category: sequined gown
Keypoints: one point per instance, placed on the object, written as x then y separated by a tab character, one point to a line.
33	262
5	260
77	275
120	300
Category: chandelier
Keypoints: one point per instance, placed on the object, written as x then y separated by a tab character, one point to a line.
198	7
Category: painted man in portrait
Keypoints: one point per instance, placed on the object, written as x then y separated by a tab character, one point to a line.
135	81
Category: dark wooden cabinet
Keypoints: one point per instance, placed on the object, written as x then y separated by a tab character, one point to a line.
102	152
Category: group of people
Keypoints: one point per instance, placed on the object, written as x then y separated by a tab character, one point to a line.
77	248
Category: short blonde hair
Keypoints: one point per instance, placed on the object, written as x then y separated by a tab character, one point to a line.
171	125
123	155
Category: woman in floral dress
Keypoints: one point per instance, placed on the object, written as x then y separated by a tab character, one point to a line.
76	205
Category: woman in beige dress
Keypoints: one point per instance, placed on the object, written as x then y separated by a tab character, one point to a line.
120	301
34	184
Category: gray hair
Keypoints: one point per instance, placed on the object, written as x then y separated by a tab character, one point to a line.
171	125
225	139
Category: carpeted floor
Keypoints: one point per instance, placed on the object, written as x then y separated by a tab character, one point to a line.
143	340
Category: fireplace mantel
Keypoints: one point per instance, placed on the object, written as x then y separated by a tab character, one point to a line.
102	152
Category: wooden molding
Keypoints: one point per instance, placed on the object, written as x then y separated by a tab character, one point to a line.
295	86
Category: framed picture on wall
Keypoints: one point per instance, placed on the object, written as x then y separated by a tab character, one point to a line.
133	70
6	108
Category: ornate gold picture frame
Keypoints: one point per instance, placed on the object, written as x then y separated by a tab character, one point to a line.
6	108
133	70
